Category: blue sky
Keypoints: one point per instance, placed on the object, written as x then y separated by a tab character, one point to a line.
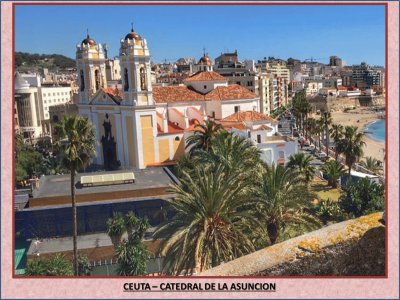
354	33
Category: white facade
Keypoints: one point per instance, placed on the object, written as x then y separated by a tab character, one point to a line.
33	102
52	96
277	149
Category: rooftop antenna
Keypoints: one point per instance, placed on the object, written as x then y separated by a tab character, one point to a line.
132	27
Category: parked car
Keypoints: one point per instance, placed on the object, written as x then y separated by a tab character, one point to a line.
322	156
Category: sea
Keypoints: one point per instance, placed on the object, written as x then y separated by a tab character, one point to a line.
376	130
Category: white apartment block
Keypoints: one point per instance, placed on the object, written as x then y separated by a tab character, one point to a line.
33	101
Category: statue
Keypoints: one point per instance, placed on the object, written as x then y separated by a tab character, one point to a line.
109	147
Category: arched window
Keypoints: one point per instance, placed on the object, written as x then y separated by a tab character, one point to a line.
126	80
82	82
143	85
97	79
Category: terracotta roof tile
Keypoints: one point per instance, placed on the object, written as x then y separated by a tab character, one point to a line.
265	127
248	116
171	94
230	92
168	94
205	76
114	93
172	129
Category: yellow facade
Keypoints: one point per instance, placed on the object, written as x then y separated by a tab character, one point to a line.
163	146
147	139
179	148
143	99
129	138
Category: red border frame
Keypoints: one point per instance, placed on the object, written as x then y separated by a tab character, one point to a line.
73	3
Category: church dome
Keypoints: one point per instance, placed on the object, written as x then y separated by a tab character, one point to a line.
88	41
132	35
205	60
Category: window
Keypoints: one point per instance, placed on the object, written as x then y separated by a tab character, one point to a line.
205	87
237	109
258	138
82	82
126	80
45	101
97	79
143	84
248	134
213	114
249	83
44	94
281	154
177	139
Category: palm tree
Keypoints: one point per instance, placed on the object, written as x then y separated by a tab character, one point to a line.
76	148
310	124
326	120
201	138
210	225
298	104
116	228
132	254
235	153
283	201
336	132
302	163
306	109
351	145
319	129
371	164
333	170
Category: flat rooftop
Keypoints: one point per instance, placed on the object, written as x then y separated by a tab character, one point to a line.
59	185
96	246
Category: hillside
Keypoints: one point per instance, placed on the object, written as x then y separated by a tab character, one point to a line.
27	61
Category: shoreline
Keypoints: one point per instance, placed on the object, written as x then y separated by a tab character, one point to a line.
362	117
368	135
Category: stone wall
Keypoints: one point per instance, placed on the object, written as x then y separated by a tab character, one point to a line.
351	248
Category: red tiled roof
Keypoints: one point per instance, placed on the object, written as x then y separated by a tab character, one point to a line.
264	127
196	110
115	94
173	94
168	94
248	116
230	92
205	76
172	128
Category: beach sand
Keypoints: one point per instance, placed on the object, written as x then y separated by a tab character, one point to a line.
360	117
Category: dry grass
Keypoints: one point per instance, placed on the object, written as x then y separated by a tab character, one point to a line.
324	191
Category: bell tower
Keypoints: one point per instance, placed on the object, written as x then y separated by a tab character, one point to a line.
135	70
90	64
138	97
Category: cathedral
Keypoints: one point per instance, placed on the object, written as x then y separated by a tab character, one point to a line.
140	125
